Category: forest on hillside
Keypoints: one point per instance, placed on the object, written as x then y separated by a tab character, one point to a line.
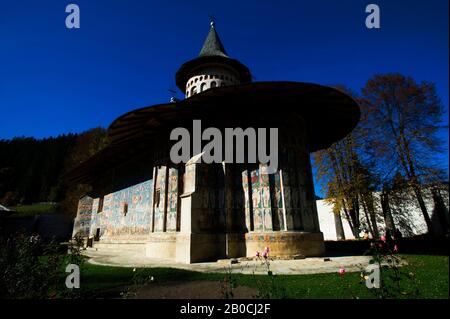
31	169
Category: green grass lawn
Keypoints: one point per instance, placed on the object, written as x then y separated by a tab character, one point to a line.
430	278
34	209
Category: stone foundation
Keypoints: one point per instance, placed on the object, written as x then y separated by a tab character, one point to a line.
288	243
192	248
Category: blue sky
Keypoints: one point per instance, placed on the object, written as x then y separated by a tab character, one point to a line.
55	80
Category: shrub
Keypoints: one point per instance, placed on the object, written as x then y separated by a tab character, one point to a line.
33	269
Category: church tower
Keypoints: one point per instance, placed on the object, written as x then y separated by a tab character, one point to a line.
212	68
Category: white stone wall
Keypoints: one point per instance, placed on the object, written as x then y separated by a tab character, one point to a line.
326	222
410	221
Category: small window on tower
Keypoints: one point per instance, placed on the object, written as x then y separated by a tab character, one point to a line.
213	84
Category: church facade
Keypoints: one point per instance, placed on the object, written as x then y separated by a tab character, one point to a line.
193	212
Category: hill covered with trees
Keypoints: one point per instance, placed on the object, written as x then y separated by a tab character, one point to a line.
31	169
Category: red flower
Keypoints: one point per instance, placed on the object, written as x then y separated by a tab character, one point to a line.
342	271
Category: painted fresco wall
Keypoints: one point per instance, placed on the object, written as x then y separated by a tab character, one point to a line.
143	201
172	200
82	222
160	198
260	194
284	200
209	201
166	199
243	200
263	200
277	202
95	218
113	221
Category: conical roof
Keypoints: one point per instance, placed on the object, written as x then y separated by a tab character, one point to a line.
213	46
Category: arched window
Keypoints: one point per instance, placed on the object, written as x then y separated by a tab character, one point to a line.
202	87
213	84
194	90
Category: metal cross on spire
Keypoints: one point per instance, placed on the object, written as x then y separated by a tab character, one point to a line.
212	20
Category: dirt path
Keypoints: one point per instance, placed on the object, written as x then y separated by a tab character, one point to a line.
191	290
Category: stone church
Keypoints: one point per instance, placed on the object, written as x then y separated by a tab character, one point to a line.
194	212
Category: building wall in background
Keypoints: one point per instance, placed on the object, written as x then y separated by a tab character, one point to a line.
407	217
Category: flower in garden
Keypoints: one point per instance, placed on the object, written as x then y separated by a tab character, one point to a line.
257	254
134	269
383	238
265	254
266	249
342	271
395	248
